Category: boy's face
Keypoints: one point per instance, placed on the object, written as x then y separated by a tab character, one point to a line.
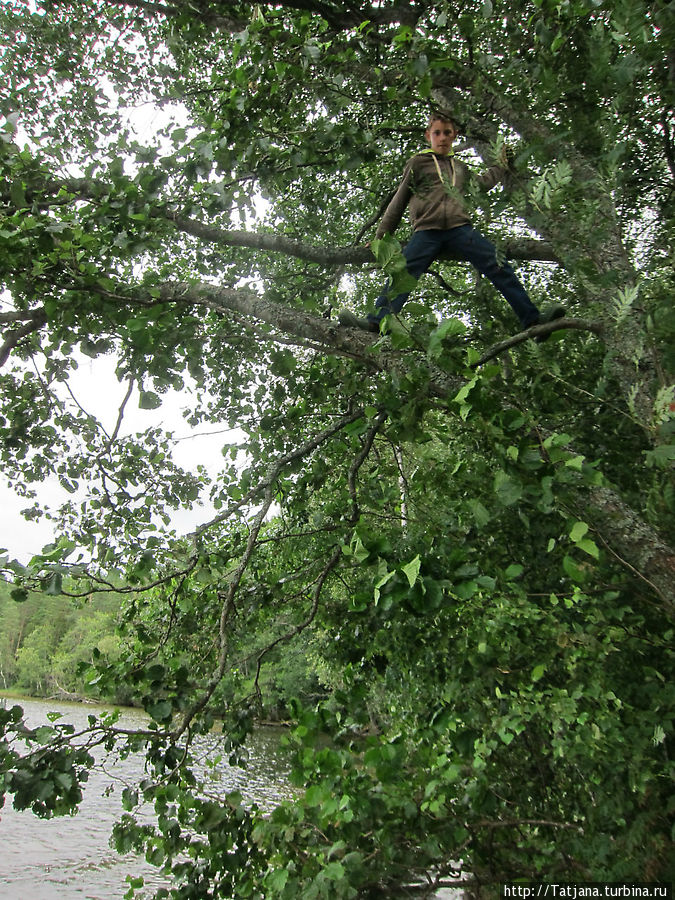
440	135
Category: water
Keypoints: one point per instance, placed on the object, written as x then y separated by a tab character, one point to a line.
69	858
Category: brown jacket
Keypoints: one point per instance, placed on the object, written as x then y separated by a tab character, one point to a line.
432	187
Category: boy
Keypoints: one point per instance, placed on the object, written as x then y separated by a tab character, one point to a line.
431	189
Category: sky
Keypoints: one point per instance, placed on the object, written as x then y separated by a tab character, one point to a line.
98	391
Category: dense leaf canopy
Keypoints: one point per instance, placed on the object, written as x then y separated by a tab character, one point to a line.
471	536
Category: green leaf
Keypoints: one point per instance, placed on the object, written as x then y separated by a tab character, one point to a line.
573	570
161	711
149	400
579	529
385	249
412	570
662	456
447	328
129	798
589	546
54	585
334	871
17	194
659	735
479	513
381	583
557	440
575	462
315	795
357	549
538	672
507	489
276	880
464	392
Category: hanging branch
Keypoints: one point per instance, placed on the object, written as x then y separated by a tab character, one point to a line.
38	318
337	553
266	486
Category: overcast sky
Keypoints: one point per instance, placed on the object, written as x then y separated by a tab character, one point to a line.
97	390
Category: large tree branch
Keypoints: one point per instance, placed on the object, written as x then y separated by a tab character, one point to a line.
340	16
515	248
179	8
37	319
89	189
328	337
325	335
635	544
624	530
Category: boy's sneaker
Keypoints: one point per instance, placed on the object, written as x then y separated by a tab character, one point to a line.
548	315
349	320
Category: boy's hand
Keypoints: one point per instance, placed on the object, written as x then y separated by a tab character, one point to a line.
505	157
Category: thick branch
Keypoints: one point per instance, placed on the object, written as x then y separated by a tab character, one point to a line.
171	10
625	530
89	189
516	248
538	331
634	542
336	340
326	336
340	16
275	243
37	320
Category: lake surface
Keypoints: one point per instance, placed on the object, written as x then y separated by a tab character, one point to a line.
69	857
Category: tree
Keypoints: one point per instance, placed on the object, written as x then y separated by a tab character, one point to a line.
474	531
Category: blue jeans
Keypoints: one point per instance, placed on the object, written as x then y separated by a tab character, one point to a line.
463	243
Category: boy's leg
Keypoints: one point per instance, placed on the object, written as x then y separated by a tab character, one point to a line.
420	251
467	243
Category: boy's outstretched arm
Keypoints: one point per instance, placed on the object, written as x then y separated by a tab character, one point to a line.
394	212
491	177
495	174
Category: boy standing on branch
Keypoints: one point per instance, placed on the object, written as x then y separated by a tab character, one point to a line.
432	188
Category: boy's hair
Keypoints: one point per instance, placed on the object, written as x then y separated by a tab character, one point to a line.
442	116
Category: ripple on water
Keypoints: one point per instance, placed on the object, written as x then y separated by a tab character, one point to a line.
70	857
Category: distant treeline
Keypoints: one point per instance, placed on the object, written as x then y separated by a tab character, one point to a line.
44	640
48	644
